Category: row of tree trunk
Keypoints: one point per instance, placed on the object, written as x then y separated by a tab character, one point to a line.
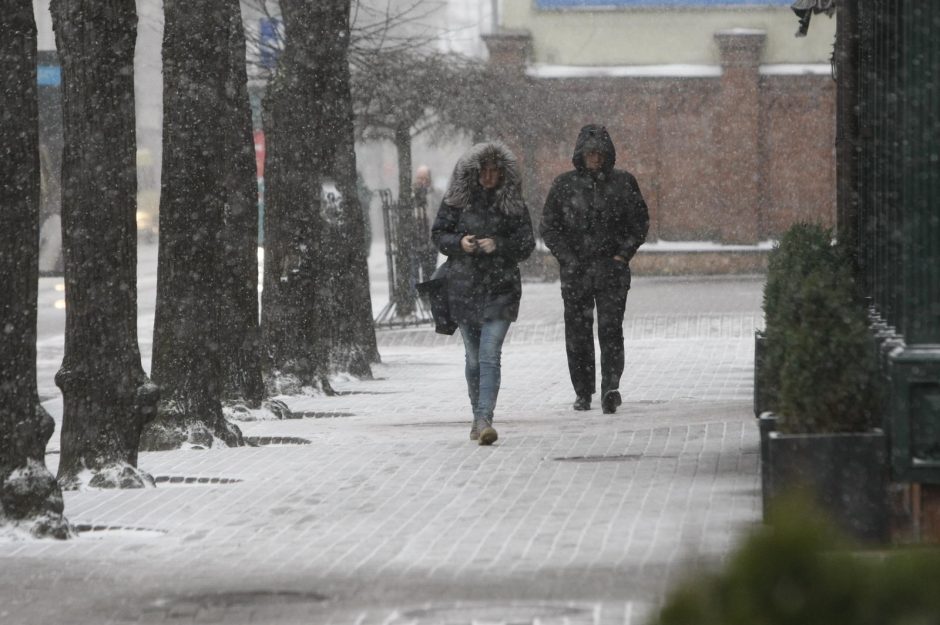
209	347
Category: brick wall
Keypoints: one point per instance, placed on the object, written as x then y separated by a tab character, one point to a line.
734	158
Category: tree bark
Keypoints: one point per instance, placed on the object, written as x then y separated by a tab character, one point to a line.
292	319
354	344
241	334
316	306
405	261
197	129
29	495
107	397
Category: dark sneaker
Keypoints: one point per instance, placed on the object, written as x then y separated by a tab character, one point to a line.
583	402
611	401
475	430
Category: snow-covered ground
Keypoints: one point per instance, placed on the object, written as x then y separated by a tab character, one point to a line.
374	507
51	324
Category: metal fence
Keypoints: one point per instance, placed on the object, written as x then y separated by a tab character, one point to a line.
898	216
410	258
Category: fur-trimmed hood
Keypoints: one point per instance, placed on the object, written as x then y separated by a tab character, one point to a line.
465	181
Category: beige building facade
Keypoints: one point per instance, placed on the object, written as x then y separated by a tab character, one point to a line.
659	33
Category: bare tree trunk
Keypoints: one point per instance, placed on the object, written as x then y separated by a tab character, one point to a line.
316	306
107	397
405	261
188	340
354	345
403	147
292	318
29	494
241	336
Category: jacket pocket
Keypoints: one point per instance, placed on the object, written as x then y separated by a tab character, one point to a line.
617	274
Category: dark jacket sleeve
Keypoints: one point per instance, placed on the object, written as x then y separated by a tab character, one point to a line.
520	241
444	233
552	227
638	222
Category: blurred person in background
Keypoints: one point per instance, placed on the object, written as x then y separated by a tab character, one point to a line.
425	199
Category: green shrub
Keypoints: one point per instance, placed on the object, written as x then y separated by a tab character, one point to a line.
803	248
829	374
796	571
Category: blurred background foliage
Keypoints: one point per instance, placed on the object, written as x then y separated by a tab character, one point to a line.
798	571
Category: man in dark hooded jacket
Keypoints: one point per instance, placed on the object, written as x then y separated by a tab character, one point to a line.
594	221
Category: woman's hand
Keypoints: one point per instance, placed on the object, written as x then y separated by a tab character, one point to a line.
487	246
468	244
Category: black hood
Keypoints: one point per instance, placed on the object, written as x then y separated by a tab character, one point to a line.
595	137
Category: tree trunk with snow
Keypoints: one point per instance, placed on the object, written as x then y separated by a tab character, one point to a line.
29	495
107	397
241	333
315	300
354	346
316	306
291	320
405	260
198	137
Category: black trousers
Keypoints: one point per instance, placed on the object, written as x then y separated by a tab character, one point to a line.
580	300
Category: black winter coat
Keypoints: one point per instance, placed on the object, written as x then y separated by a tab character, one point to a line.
591	217
483	286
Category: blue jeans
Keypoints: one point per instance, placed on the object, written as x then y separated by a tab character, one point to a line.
483	345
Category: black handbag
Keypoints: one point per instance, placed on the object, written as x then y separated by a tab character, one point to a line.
435	293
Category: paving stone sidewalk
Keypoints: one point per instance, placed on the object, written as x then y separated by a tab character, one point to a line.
388	514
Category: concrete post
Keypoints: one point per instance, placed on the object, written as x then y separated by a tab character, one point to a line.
509	50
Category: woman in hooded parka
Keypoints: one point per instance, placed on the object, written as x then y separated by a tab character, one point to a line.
483	227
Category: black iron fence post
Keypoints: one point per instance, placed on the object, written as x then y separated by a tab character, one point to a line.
898	186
